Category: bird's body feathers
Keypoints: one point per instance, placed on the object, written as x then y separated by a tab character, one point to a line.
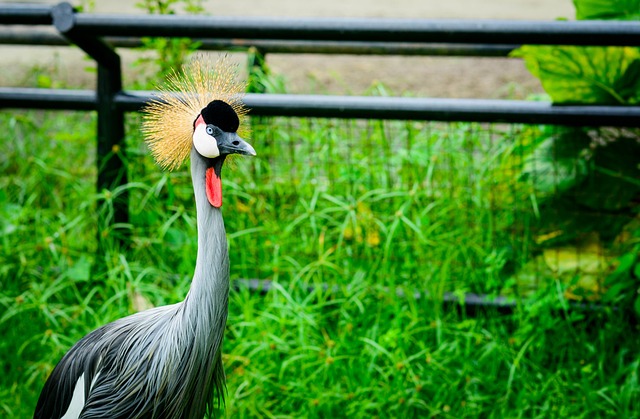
166	375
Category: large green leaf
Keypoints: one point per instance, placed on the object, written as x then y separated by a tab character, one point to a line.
556	164
586	75
580	189
607	9
590	75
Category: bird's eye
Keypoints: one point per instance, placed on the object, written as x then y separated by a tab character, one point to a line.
210	130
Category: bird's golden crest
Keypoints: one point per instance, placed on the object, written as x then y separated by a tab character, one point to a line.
168	119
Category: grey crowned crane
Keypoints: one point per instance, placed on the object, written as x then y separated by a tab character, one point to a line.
166	362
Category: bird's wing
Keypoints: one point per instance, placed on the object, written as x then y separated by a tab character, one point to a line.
87	372
65	391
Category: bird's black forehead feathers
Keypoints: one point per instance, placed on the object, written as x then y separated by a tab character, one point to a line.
222	115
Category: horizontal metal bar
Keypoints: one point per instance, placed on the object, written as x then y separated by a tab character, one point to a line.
47	36
424	109
36	36
441	109
468	300
277	46
370	30
57	99
264	286
362	107
25	14
341	29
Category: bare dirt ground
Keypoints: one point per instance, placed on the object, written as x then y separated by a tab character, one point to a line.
334	74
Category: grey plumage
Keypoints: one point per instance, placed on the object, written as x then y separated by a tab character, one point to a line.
164	362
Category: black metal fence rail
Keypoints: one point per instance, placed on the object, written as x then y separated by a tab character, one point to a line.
604	33
295	105
49	37
470	302
25	14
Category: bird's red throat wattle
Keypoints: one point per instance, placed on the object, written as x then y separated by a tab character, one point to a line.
213	188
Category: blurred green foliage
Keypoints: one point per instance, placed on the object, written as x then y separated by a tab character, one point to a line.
587	180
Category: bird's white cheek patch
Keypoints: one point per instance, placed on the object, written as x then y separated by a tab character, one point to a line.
204	143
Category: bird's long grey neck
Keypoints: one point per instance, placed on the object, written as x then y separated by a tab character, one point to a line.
210	284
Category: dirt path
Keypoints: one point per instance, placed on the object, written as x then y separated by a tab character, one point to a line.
420	76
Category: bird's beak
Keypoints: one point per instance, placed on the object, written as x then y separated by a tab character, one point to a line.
231	143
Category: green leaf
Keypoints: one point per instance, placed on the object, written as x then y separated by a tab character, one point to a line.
607	9
175	238
81	270
616	292
556	164
628	85
585	75
44	81
589	75
625	263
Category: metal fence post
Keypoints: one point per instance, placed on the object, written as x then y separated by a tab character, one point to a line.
111	152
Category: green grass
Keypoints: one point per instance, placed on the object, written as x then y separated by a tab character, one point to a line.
367	206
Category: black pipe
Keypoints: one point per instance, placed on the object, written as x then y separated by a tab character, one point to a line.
31	36
277	46
25	14
469	301
56	99
612	33
34	36
365	107
46	36
623	33
423	109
